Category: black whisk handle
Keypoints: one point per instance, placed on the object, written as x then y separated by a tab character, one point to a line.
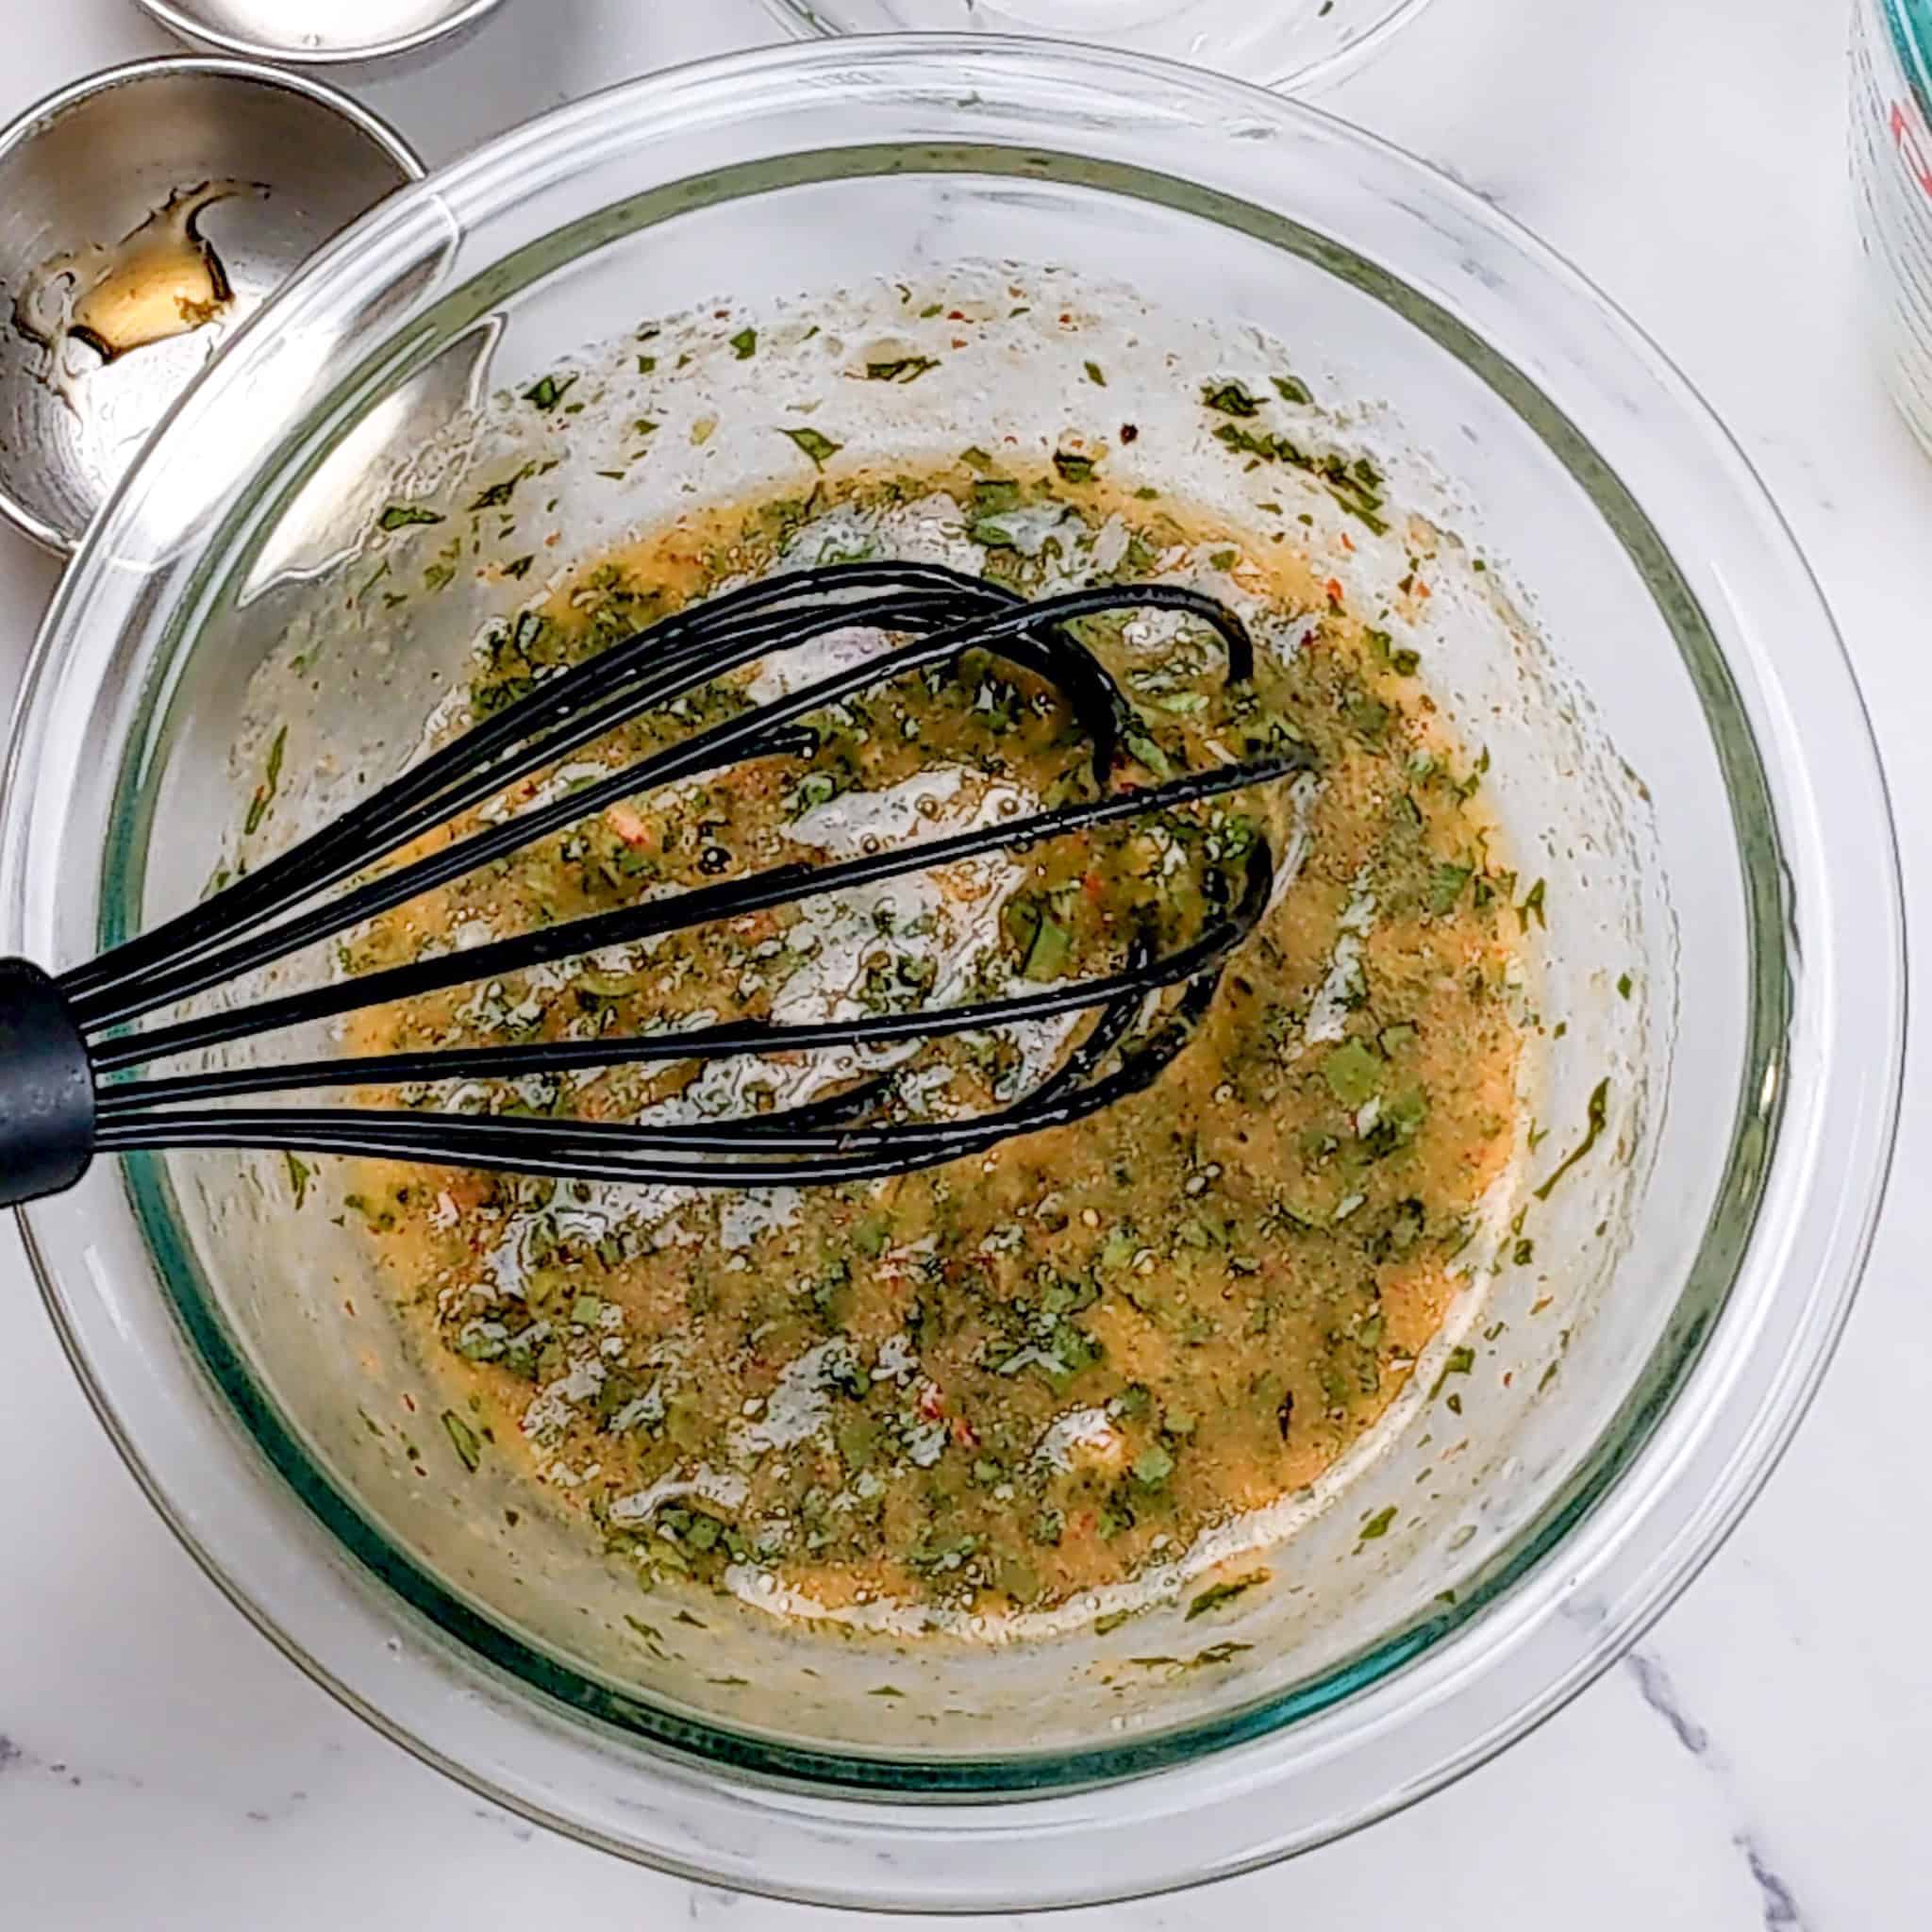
46	1088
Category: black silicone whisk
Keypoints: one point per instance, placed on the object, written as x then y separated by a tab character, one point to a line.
78	1049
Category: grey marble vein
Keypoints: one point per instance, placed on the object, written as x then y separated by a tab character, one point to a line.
1779	1903
1655	1687
1781	1910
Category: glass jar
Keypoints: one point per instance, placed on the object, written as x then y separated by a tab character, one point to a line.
1892	166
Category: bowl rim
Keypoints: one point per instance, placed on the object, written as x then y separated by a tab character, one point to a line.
804	20
31	122
189	26
805	1823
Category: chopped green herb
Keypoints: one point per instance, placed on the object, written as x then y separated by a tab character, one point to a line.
497	494
1524	1253
1152	1467
464	1439
1230	399
548	392
901	369
1598	1116
1291	389
1447	887
1217	1653
1378	1524
1071	468
271	776
1624	984
1353	1073
744	344
1356	486
299	1171
399	516
520	566
1096	374
817	446
1053	945
1219	1594
1532	906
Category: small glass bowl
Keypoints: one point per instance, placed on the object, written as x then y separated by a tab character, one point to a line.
1299	45
1616	1419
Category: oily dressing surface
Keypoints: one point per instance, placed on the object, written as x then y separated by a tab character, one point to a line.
988	1388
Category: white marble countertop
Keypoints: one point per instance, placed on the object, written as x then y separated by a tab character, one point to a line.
1764	1760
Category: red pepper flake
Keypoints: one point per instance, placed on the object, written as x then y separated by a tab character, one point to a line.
1333	586
955	315
1130	432
1421	589
1093	886
965	1434
1347	542
932	1405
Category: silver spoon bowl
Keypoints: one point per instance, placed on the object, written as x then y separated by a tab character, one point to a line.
144	214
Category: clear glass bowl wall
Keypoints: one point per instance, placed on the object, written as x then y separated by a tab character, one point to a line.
1303	44
1679	734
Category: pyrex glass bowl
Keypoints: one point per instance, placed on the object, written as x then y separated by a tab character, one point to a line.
1302	44
1677	744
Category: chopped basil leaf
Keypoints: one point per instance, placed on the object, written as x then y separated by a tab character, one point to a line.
547	392
818	446
1378	1524
1218	1594
265	791
1447	887
1353	1073
400	515
464	1439
1598	1117
1230	399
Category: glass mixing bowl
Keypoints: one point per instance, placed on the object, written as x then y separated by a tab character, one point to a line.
1677	745
1303	44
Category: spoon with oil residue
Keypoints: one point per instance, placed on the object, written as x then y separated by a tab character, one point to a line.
162	279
